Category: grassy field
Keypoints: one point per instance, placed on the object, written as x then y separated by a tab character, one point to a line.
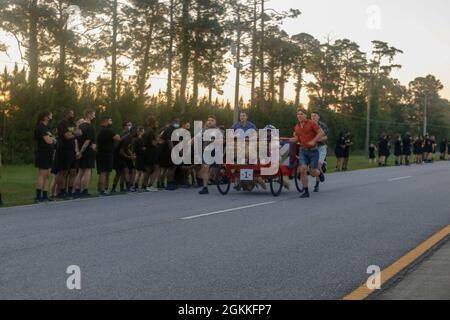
17	183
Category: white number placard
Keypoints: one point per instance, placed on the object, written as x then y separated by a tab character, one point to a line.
246	175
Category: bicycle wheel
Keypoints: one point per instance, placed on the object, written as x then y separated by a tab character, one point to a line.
223	182
276	184
298	180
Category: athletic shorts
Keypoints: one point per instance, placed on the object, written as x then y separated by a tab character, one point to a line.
309	158
339	152
323	154
104	163
129	164
44	159
140	163
87	161
66	160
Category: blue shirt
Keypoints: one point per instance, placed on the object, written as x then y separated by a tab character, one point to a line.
245	128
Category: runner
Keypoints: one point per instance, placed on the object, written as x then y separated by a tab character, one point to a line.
105	147
322	147
87	148
45	143
308	134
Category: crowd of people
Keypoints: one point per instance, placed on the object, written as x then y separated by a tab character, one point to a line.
408	149
141	158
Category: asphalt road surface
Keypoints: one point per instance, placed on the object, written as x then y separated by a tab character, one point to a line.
182	245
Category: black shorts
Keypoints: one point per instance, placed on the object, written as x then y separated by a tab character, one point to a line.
104	163
129	164
66	160
87	161
339	152
44	159
151	158
140	163
165	158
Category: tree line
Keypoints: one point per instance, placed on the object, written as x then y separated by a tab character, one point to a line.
190	45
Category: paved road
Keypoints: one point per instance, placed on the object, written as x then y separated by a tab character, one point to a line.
143	247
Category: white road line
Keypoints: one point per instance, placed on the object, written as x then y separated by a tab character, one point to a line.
400	178
228	210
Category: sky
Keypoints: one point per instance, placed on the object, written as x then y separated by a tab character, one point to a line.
420	28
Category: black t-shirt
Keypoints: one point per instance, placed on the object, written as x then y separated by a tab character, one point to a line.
105	141
428	145
407	143
40	132
125	144
166	134
88	133
149	139
398	146
443	147
340	143
63	143
139	147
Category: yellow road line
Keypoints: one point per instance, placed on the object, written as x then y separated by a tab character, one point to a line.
363	291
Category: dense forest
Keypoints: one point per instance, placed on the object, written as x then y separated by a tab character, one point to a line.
192	45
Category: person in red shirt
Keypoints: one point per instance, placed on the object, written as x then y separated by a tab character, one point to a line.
308	133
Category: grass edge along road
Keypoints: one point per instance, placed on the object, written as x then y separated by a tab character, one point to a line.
17	182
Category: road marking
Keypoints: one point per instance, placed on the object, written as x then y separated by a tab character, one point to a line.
363	292
228	210
400	178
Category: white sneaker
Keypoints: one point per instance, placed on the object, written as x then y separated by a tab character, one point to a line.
152	189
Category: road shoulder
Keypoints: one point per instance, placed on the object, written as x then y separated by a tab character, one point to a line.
429	279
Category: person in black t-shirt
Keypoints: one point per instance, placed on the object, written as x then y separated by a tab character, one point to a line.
66	154
165	155
44	155
448	149
86	157
407	142
372	156
348	145
340	152
139	150
105	150
125	154
443	149
151	156
398	152
383	151
418	150
119	177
